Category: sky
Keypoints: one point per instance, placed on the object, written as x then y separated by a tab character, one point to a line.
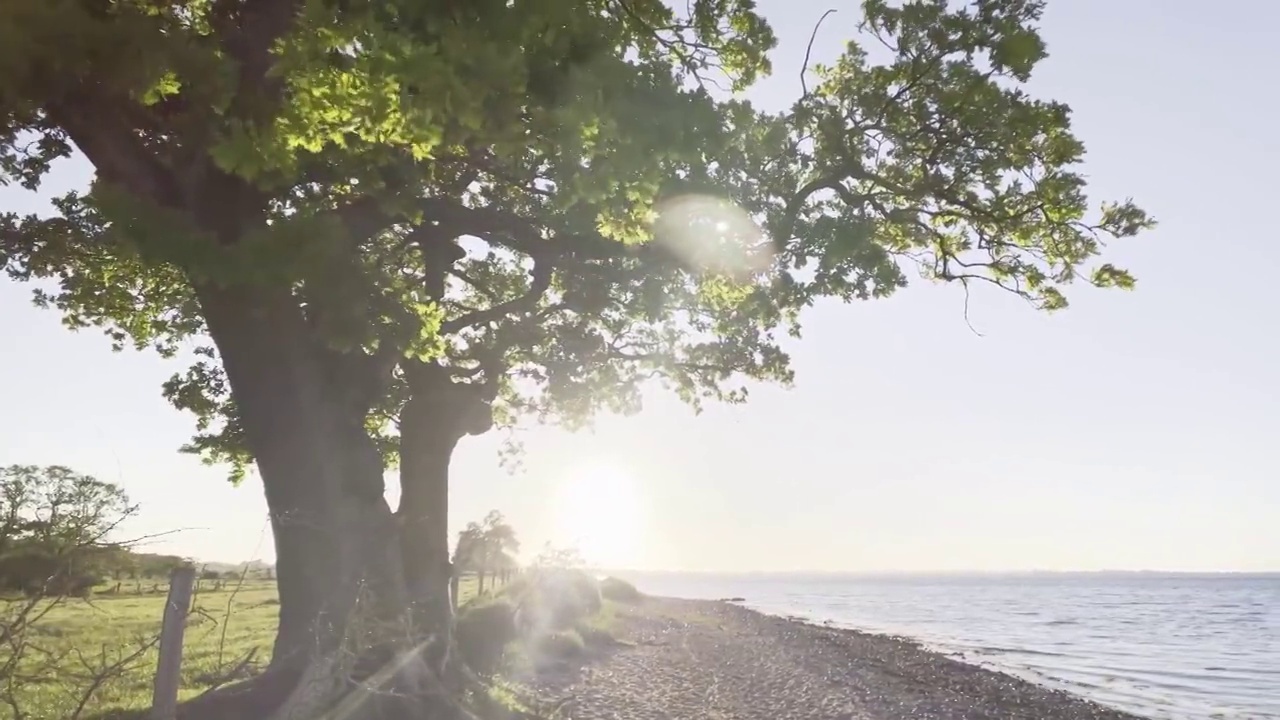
1133	431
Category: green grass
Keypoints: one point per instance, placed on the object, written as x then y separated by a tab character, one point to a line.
606	620
107	628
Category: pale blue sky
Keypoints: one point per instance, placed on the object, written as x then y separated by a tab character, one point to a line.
1133	431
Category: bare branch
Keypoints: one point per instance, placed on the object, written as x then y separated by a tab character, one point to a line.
965	284
237	670
804	69
103	672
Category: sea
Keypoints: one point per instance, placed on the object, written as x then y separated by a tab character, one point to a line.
1162	646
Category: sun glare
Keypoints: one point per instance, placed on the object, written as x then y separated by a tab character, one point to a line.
734	246
599	512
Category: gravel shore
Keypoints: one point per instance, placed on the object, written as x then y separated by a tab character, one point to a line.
716	661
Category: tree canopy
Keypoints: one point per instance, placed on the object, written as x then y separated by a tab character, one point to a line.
625	219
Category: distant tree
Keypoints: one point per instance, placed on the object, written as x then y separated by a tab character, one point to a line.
54	528
484	547
498	545
57	541
558	558
153	566
117	562
466	552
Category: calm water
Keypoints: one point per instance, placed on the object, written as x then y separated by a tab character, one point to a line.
1172	647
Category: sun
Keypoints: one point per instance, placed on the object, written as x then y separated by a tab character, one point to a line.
599	512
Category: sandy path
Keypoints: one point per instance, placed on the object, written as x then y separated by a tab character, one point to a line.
715	661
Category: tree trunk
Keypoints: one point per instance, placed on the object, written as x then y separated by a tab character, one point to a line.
437	415
426	447
322	476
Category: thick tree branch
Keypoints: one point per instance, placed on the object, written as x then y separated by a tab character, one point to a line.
525	236
365	217
479	286
105	136
796	204
250	30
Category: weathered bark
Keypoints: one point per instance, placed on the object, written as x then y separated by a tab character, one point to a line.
437	415
334	534
426	447
430	427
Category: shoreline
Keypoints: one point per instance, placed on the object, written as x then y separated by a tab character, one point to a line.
680	659
922	646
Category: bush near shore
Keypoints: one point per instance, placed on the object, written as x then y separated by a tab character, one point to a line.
619	590
546	616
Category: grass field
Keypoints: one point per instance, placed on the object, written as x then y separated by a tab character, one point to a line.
79	639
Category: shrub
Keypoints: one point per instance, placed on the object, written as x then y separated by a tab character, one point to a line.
482	633
559	645
618	590
557	600
78	585
553	600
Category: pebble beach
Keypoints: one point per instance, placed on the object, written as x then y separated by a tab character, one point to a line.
711	660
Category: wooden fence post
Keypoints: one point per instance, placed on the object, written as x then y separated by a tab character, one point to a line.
164	702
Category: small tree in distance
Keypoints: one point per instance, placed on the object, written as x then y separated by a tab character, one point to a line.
559	558
485	548
55	544
54	529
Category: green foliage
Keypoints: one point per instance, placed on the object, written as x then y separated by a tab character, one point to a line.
497	699
625	220
546	614
54	529
559	645
483	630
618	590
486	545
556	599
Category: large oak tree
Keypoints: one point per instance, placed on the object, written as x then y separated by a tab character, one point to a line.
390	224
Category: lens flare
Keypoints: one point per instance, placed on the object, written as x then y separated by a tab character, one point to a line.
712	234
